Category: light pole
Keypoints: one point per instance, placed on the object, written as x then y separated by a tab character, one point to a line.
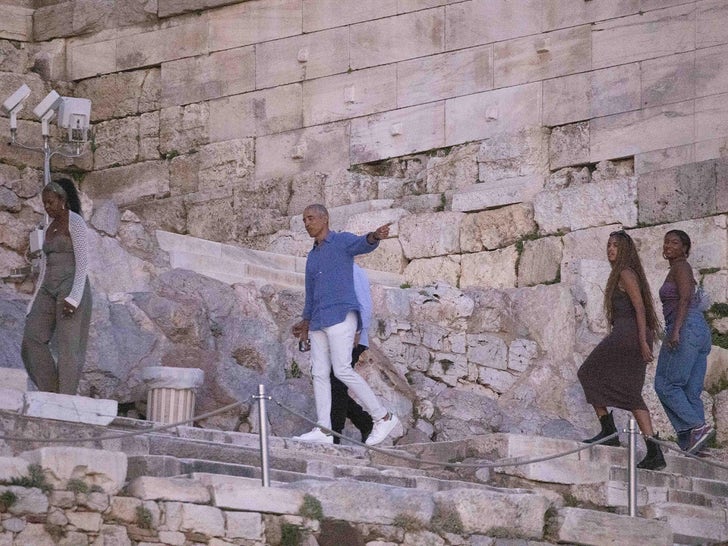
73	115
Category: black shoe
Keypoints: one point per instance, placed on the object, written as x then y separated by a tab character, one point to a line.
654	460
608	428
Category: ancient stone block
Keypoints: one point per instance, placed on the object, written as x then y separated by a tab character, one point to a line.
514	154
542	56
499	111
452	171
540	261
117	142
248	525
577	524
171	489
569	145
678	193
167	8
496	228
575	12
336	13
303	57
645	36
206	77
487	195
648	129
487	350
444	76
64	463
122	94
128	184
591	94
87	58
183	128
185	39
149	136
587	205
710	30
424	271
711	70
214	219
668	79
397	38
397	133
322	148
658	160
521	353
477	510
430	234
248	23
484	21
17	23
258	113
165	214
711	117
493	269
350	95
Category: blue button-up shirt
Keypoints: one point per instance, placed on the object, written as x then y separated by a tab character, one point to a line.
364	298
330	293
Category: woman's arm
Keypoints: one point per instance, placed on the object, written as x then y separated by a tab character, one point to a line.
79	239
630	283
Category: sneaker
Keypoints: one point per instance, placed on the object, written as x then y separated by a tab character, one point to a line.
316	436
698	437
381	429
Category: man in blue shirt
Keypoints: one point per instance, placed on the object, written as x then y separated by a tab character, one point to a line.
343	405
331	318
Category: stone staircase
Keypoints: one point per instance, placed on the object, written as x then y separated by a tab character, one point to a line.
580	498
233	264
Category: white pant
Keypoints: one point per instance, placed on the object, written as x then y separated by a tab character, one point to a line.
331	348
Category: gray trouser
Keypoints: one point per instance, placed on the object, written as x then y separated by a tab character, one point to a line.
45	319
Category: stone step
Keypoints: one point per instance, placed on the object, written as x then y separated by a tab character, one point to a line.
692	524
232	264
591	527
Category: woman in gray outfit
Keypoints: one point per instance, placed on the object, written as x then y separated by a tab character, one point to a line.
61	304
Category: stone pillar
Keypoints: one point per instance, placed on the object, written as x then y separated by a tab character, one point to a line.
171	393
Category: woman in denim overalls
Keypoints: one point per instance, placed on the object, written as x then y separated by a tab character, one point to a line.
683	357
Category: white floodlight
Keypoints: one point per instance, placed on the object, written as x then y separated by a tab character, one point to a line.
47	109
74	114
14	104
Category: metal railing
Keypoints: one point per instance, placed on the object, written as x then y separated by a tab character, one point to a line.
396	453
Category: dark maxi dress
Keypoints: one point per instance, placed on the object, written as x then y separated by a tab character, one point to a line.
614	373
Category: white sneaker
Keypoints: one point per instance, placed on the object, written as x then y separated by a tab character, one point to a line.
381	429
316	436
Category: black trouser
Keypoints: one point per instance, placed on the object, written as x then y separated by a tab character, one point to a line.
343	406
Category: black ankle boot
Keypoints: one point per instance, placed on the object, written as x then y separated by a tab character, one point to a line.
654	460
608	428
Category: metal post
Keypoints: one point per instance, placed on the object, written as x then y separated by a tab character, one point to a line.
263	425
632	469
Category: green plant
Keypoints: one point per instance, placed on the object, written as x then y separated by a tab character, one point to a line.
311	508
77	485
405	285
171	154
708	270
570	500
447	521
57	532
7	499
36	478
721	340
719	310
408	522
144	517
550	522
294	371
290	535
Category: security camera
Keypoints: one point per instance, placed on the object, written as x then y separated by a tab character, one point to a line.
46	110
14	104
75	114
50	103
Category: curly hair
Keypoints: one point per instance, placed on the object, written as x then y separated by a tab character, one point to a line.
628	258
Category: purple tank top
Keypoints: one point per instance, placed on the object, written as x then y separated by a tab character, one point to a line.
670	298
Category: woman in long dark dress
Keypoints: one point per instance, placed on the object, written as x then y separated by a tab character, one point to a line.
614	373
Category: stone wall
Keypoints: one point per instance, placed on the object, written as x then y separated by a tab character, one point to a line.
504	138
